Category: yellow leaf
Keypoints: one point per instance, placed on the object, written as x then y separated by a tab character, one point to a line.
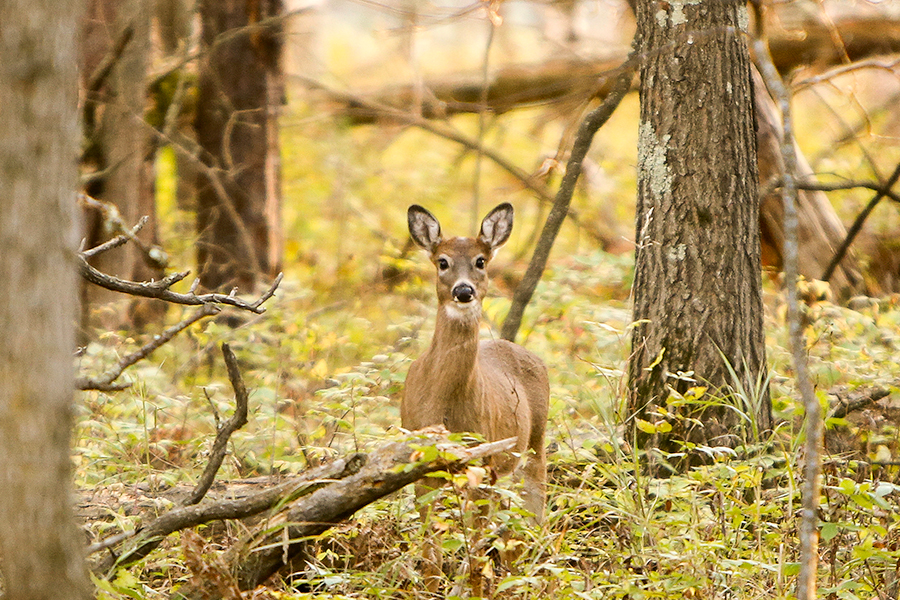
656	360
645	426
319	370
695	393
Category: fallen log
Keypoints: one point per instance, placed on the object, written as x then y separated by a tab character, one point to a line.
302	507
793	43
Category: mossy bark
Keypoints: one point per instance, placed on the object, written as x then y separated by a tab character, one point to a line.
697	286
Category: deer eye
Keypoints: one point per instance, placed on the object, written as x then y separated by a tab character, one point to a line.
443	264
479	262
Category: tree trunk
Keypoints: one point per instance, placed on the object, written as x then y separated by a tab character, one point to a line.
238	216
119	145
697	286
40	545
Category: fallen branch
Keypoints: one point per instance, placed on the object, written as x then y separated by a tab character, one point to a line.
106	383
147	538
237	420
592	122
386	470
321	497
857	402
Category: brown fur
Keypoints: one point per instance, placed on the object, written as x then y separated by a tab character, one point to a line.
495	388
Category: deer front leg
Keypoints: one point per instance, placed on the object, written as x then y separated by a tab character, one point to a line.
432	561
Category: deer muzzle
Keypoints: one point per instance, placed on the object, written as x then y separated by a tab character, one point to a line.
463	293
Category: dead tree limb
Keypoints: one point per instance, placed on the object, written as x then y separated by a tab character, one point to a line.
592	122
237	420
806	584
386	470
317	499
857	402
858	223
106	381
807	42
147	538
160	290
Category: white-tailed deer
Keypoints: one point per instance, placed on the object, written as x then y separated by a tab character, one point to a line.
494	387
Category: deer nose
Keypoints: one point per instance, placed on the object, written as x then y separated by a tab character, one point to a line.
463	292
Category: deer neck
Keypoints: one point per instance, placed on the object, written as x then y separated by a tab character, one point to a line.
454	352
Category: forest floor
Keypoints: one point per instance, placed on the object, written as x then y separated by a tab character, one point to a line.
326	378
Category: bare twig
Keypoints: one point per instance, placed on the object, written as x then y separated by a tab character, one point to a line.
105	382
874	63
237	420
152	255
191	151
529	181
102	71
806	584
160	290
117	241
858	223
592	122
848	185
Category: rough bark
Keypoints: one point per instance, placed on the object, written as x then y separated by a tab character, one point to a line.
239	95
40	548
697	287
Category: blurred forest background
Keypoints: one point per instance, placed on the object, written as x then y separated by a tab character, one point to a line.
261	138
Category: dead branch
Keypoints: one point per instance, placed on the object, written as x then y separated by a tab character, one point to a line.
237	420
857	402
147	538
806	584
858	223
153	256
105	383
848	185
808	43
874	63
592	122
102	71
160	289
386	470
117	241
321	497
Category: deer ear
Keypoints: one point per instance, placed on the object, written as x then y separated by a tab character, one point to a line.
423	227
497	226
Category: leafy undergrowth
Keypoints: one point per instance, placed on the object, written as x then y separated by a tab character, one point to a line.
326	378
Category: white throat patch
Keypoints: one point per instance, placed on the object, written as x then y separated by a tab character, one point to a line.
463	312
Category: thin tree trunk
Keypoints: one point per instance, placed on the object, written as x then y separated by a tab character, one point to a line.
238	222
119	145
40	547
697	286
